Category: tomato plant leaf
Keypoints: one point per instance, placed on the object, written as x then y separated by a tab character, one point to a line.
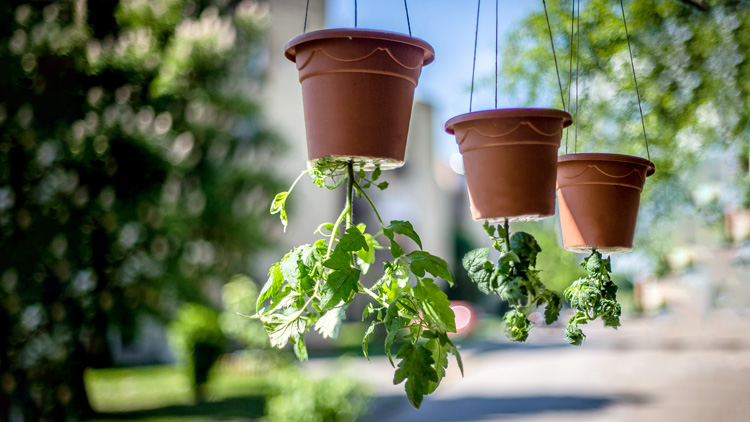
424	262
281	328
416	367
435	305
329	323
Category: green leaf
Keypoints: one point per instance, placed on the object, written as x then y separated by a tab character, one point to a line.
475	262
552	310
340	286
435	305
416	367
525	246
300	350
489	229
339	261
396	249
393	324
366	340
382	186
517	325
329	323
352	241
279	206
272	286
440	356
369	310
404	228
376	174
573	334
290	268
324	226
422	262
281	328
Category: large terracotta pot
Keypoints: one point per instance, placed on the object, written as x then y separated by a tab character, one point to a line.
510	160
599	195
357	90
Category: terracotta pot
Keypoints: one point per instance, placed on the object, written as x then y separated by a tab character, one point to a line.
599	195
358	90
510	160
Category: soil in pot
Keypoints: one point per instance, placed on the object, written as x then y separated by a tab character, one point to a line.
510	161
358	90
599	196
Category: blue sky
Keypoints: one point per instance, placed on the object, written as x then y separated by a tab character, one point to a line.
448	25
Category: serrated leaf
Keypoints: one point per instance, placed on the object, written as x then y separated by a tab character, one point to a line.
489	229
382	186
272	286
435	305
300	350
440	357
423	262
475	262
329	323
352	241
366	340
281	328
339	286
416	367
404	228
552	310
290	268
338	261
393	324
278	205
396	249
369	310
525	246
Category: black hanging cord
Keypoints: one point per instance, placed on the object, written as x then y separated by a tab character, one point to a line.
554	55
408	22
307	8
497	26
578	49
635	80
355	13
570	65
474	65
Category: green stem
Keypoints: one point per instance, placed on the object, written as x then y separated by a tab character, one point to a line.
335	230
364	194
298	179
372	294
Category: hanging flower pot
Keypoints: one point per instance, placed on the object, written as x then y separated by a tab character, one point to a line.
510	160
599	195
357	91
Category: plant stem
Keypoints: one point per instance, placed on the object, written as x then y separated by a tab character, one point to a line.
364	194
371	293
349	193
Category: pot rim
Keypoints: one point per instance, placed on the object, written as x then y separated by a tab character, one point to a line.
290	50
508	112
601	156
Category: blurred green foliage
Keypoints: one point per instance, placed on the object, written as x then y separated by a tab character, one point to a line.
300	398
198	340
239	297
693	69
133	176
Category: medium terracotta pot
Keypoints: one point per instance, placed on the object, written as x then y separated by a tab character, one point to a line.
599	195
510	160
357	90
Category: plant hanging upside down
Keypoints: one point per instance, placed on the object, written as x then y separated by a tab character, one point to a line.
513	278
313	284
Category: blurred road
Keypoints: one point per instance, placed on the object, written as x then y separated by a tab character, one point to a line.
663	369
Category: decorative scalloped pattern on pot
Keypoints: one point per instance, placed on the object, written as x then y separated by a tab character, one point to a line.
599	196
510	161
358	89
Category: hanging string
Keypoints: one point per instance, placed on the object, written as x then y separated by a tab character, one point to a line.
578	50
497	25
474	65
554	55
408	22
635	80
307	7
570	66
355	13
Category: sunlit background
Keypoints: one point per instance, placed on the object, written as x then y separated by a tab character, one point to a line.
141	143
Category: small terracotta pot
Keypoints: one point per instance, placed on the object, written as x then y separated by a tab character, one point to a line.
599	195
510	160
358	90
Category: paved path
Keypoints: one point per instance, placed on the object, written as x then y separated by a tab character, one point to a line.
649	370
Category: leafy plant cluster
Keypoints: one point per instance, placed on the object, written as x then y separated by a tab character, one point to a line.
513	278
313	284
593	296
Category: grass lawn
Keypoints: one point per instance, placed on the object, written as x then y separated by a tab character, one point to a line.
162	393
